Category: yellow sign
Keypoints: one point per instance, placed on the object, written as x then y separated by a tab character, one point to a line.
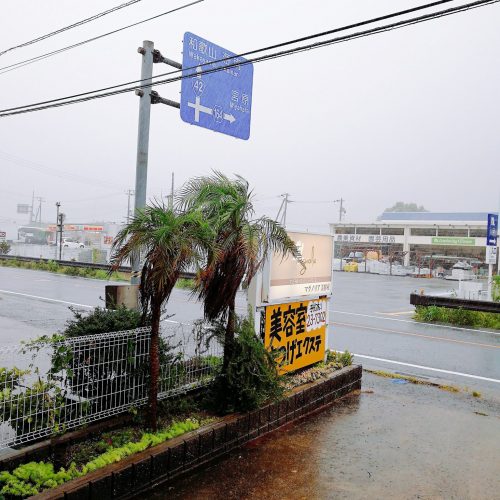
296	333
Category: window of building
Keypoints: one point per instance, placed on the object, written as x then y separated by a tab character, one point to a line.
477	233
452	232
344	230
368	230
423	231
393	231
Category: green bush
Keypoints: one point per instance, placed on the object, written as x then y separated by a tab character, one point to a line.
459	317
251	377
495	290
101	320
339	358
4	248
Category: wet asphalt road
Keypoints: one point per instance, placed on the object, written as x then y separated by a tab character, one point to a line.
371	318
380	443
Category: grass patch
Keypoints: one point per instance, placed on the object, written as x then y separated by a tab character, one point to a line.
413	380
185	284
459	317
476	394
55	267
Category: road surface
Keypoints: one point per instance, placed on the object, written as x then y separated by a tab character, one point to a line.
371	318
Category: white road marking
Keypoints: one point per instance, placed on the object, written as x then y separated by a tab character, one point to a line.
414	322
449	372
46	299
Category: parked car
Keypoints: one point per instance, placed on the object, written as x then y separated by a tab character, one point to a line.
71	243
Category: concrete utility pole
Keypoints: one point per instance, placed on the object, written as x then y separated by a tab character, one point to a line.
38	217
172	193
141	172
58	204
31	208
342	210
61	222
129	193
285	206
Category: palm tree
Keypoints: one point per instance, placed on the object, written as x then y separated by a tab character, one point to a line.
242	242
170	243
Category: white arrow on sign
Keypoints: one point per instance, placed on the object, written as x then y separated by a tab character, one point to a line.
199	108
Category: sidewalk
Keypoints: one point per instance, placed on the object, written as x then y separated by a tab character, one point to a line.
393	440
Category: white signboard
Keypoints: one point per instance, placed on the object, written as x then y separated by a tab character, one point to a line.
289	278
491	255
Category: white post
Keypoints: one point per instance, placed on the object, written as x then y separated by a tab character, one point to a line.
141	172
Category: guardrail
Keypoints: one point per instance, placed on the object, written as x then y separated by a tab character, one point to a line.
454	303
73	263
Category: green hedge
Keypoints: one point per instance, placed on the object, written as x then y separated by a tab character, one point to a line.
460	317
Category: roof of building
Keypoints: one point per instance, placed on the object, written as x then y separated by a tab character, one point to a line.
435	216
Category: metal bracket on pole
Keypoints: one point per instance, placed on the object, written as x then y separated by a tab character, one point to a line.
157	99
158	58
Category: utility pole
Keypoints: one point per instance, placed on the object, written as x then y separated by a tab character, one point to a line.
141	172
58	204
172	193
342	210
285	206
31	208
61	222
129	193
38	217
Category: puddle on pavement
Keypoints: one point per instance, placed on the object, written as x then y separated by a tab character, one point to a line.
387	441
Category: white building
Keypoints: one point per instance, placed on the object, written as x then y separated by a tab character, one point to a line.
416	235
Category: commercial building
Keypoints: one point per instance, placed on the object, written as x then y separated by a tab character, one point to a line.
416	238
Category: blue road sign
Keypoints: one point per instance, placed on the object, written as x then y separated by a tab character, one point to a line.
222	100
492	232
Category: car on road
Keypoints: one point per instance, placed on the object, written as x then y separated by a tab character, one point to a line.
71	243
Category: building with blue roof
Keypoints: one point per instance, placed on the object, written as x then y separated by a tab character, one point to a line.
448	236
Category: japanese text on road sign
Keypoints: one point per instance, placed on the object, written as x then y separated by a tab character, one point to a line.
218	100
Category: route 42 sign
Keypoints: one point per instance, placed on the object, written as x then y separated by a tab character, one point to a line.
218	100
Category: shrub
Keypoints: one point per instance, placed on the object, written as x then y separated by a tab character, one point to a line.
4	248
460	317
252	375
339	358
101	320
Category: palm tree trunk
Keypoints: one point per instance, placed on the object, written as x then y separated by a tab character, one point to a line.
154	365
229	335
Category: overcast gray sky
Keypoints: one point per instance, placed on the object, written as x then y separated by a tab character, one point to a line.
410	115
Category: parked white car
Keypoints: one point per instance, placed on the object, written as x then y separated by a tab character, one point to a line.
70	243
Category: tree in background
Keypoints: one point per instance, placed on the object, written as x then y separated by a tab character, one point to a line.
401	206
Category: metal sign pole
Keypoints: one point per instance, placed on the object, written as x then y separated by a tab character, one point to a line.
141	172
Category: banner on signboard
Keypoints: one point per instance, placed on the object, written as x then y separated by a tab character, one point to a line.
309	276
296	332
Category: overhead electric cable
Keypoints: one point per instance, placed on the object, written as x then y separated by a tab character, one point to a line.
275	55
12	67
71	26
256	51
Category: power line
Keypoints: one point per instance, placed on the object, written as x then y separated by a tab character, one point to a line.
252	52
381	29
270	47
71	26
12	67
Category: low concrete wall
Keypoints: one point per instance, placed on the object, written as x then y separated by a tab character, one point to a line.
141	472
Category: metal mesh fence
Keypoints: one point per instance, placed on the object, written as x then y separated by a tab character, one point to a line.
49	386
